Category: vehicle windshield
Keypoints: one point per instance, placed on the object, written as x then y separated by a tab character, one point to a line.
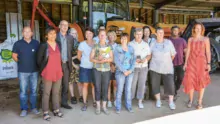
104	9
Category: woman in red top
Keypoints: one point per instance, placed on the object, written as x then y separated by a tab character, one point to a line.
49	59
197	65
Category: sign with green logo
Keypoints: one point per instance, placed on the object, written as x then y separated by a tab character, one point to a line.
6	55
8	67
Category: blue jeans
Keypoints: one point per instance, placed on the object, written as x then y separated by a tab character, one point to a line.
122	81
28	80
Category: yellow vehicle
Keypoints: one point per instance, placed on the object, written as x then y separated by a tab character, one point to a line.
110	14
120	26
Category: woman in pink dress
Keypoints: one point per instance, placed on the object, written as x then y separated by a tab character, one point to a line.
197	64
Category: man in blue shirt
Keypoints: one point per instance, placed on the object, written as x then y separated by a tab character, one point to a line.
24	53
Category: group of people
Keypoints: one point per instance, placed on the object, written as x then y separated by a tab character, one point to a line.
104	65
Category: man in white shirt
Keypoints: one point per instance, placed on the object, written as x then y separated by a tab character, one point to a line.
142	53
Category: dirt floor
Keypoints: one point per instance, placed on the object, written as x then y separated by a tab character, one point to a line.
9	108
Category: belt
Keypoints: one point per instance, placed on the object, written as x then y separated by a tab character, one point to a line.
64	62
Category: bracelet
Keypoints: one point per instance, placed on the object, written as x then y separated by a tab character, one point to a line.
208	63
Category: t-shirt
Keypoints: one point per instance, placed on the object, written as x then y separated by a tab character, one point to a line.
86	50
161	61
27	55
141	50
113	46
180	45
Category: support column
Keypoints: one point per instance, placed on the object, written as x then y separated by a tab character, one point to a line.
74	14
155	16
128	9
185	19
164	18
19	6
90	3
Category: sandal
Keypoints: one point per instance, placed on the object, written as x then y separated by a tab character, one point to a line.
81	99
199	106
58	113
94	104
46	116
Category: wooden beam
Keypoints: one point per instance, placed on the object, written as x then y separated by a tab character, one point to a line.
207	1
179	2
5	3
165	2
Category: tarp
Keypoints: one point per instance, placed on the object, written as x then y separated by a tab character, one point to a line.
8	67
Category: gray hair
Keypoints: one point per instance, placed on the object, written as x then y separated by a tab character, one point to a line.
138	30
72	30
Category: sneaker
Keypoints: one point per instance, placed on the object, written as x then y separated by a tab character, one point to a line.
23	113
84	108
105	110
158	104
97	111
140	105
130	110
73	100
118	111
172	105
109	104
189	105
35	111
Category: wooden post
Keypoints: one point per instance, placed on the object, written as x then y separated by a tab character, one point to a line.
71	13
185	18
139	15
156	16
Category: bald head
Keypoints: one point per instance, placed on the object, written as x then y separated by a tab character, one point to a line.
26	28
63	26
27	33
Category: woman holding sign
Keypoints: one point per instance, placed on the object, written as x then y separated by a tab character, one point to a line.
101	56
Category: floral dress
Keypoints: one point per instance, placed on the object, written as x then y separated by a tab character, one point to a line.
74	76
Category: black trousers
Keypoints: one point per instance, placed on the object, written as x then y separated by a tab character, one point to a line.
101	82
178	77
168	83
65	83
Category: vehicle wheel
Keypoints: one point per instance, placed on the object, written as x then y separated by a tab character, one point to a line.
214	60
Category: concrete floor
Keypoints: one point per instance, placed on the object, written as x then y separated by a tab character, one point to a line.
9	113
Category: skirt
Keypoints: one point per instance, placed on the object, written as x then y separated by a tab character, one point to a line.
85	75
